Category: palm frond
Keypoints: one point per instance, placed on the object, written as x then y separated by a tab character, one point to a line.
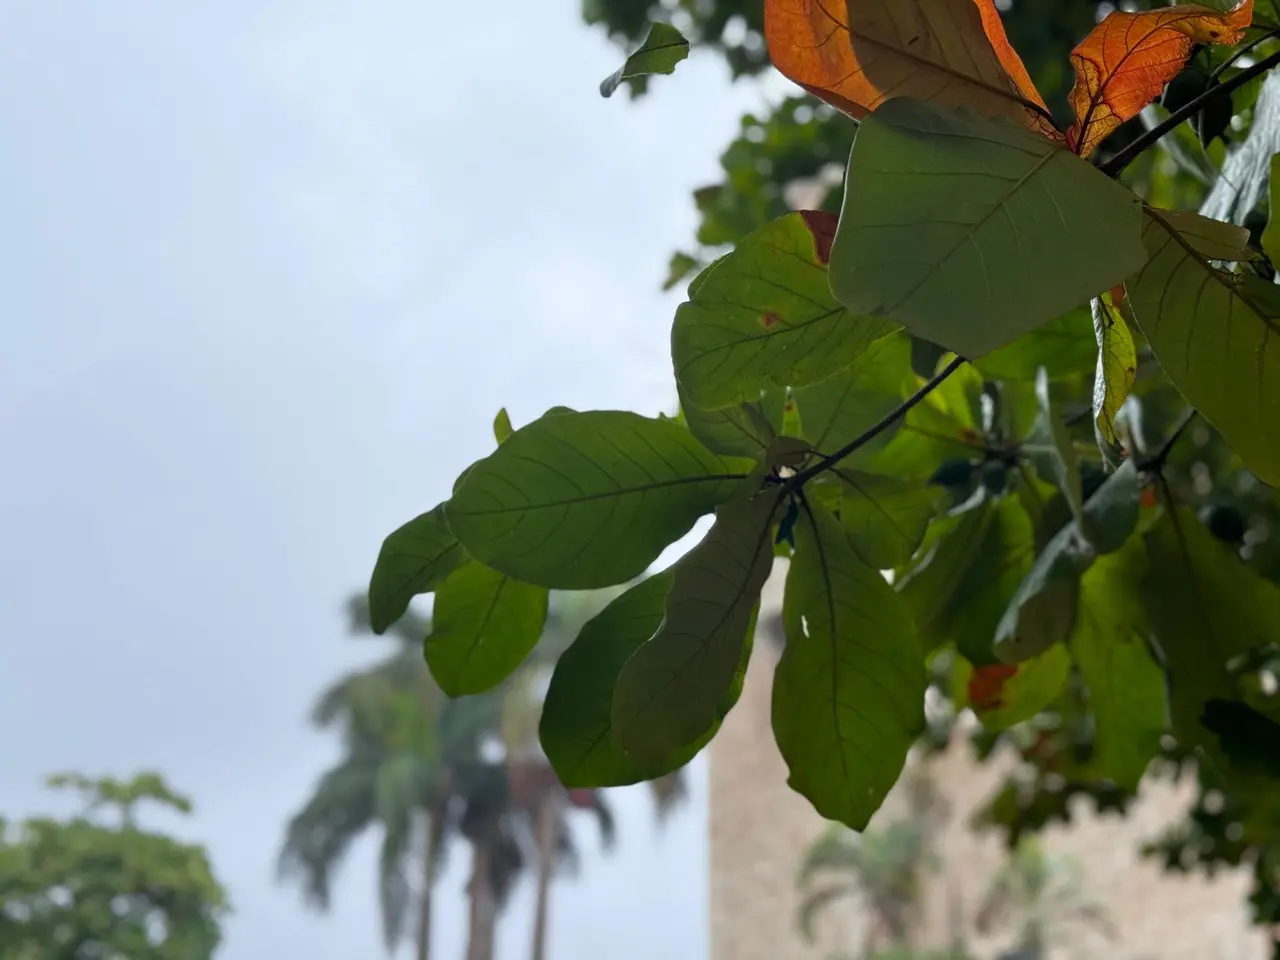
668	793
393	885
817	901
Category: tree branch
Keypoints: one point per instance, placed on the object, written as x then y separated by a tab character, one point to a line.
1116	165
888	420
1155	463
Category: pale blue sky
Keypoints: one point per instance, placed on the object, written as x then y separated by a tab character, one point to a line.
267	269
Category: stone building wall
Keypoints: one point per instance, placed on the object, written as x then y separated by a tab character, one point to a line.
759	830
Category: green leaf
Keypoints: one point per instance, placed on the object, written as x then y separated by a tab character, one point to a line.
970	232
1043	608
412	561
1271	235
1210	238
1032	687
842	407
663	48
1116	370
668	694
483	626
742	430
1064	347
1126	687
1205	607
1111	514
848	692
764	316
1210	330
584	500
681	265
577	715
502	425
1051	449
959	592
885	518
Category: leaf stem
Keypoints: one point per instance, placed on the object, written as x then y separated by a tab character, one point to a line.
888	420
1155	463
1116	165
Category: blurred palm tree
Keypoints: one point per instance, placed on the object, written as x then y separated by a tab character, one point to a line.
425	770
1042	894
884	868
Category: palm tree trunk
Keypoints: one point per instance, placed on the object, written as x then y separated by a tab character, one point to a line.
545	839
431	856
483	904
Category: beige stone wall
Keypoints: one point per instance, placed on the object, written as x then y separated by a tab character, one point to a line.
759	829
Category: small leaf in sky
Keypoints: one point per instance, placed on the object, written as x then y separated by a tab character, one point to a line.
1126	686
1124	64
885	518
1271	235
856	56
576	730
1204	607
848	692
670	692
502	425
413	560
1117	367
1010	698
583	500
764	316
1211	330
1064	347
938	205
483	625
663	48
743	430
1042	610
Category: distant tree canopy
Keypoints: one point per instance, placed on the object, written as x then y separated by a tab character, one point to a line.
988	306
99	887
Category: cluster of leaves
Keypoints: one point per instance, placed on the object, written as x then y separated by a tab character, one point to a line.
942	382
83	888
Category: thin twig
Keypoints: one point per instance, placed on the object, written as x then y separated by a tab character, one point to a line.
1244	51
888	420
1155	463
1116	165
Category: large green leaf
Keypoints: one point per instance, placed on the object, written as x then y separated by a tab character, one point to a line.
742	430
970	232
1126	687
583	500
1204	607
577	715
413	559
848	693
669	693
842	407
1042	610
483	625
1111	514
764	315
1210	330
960	591
884	517
1064	347
1116	370
663	48
1271	235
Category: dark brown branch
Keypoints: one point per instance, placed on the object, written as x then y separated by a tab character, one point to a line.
888	420
1116	165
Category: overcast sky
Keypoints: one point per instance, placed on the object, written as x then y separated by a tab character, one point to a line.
267	270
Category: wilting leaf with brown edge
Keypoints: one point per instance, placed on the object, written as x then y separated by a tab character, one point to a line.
1128	58
950	52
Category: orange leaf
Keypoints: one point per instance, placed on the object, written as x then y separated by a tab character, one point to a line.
986	686
1128	58
859	53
